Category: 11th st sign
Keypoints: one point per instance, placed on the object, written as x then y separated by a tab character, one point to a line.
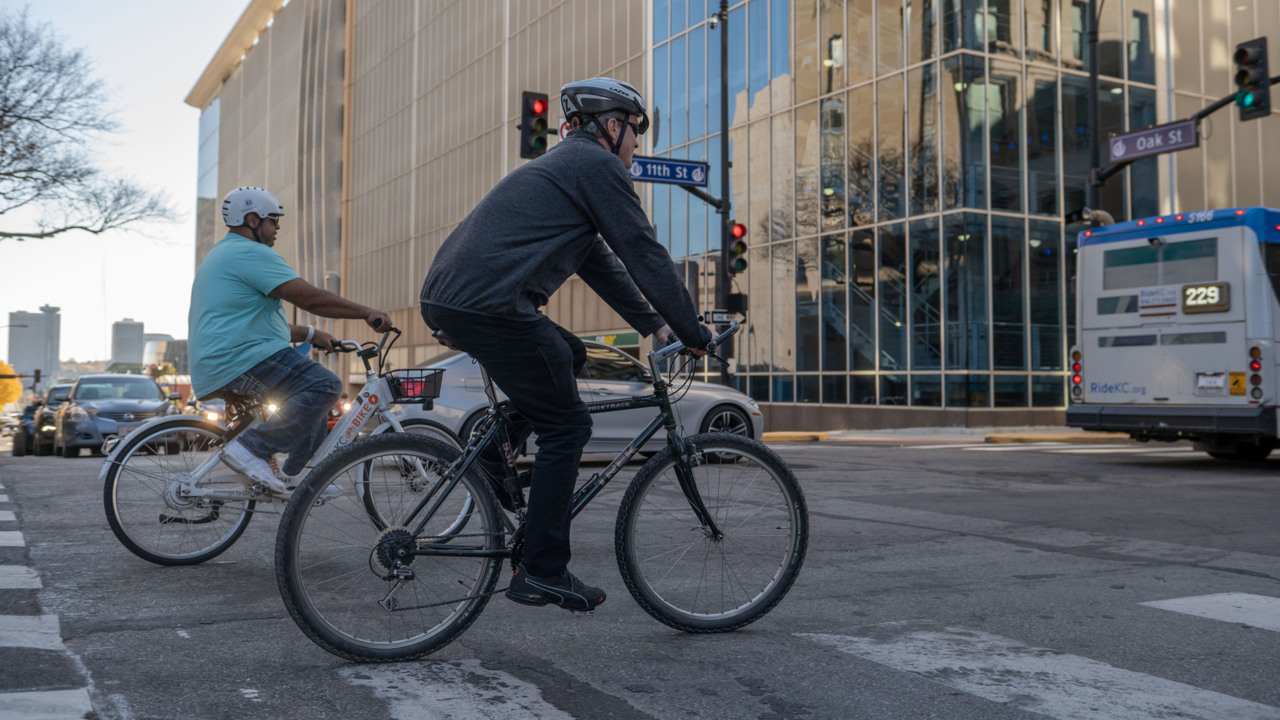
1153	141
674	172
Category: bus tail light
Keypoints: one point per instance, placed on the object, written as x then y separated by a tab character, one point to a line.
1077	379
1255	368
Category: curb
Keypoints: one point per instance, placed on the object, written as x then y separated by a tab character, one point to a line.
793	436
1057	437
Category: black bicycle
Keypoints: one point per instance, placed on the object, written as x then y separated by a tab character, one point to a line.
710	535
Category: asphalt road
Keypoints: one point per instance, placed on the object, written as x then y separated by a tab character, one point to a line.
942	581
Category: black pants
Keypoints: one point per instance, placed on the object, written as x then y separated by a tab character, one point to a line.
535	362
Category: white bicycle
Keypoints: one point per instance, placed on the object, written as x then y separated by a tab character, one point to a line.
169	498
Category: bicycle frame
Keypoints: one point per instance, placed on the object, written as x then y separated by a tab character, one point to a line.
499	417
372	402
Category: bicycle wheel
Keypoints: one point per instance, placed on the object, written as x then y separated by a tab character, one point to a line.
384	500
354	585
680	574
143	504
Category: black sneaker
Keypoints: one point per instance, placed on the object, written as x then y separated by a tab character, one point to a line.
565	591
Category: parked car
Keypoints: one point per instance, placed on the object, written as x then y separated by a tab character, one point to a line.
610	374
104	405
22	432
42	421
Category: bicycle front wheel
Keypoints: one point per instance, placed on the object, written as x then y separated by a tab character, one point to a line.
368	586
145	504
674	567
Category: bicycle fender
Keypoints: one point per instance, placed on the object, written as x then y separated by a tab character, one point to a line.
148	426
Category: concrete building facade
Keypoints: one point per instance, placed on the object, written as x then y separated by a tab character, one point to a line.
34	343
128	342
904	167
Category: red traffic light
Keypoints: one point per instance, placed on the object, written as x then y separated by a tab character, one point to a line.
738	230
539	106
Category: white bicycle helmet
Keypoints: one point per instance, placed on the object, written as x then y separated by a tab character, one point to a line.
597	96
245	200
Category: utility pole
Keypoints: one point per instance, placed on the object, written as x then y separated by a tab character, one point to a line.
726	201
1095	113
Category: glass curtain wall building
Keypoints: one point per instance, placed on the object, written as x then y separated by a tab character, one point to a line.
903	168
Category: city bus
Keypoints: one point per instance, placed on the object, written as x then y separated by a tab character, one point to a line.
1178	319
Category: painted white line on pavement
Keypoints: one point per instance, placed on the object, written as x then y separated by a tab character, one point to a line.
47	705
4	498
39	632
463	688
1112	449
1038	680
1010	447
8	516
19	577
11	538
1257	611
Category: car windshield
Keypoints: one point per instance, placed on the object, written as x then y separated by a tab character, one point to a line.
59	394
118	389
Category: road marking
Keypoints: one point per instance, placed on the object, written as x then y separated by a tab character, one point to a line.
8	516
4	498
956	446
1012	447
1257	611
39	632
1113	449
11	538
1038	680
462	688
48	705
19	577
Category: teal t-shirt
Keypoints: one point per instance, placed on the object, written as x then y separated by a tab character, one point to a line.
234	323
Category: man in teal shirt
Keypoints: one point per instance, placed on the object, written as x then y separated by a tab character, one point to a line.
239	339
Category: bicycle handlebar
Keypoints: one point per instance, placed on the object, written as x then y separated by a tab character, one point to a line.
677	346
346	346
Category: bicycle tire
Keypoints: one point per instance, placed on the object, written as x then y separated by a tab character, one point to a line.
332	558
374	502
144	510
683	577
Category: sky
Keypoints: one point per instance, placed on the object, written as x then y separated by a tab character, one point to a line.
148	55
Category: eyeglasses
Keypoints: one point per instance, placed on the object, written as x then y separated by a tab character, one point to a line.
635	127
275	220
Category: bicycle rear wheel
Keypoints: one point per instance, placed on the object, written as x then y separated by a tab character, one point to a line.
143	504
356	582
672	565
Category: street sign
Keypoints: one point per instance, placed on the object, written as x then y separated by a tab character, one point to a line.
1165	138
719	317
673	172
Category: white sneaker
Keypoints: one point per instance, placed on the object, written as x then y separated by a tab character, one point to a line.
237	457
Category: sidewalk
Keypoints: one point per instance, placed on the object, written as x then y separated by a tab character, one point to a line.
958	435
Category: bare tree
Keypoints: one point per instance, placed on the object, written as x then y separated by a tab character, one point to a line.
51	107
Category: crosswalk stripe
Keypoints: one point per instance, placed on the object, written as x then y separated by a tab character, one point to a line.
19	577
8	516
1257	611
452	689
1051	683
39	632
48	704
11	538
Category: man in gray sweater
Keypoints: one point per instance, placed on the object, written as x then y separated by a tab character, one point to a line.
570	211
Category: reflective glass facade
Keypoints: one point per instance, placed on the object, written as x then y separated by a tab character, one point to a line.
902	167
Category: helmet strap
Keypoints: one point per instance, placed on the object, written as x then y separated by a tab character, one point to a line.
614	145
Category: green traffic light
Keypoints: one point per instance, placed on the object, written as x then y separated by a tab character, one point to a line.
1246	100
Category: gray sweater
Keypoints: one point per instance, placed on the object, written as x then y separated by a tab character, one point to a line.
572	210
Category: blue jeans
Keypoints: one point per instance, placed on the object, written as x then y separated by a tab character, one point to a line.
304	391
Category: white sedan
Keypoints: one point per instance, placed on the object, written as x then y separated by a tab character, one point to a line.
609	374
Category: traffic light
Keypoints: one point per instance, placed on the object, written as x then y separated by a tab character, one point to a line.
533	124
737	247
1253	81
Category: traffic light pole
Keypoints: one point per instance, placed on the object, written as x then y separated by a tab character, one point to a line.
726	202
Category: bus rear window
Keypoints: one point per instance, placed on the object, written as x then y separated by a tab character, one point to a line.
1172	264
1271	252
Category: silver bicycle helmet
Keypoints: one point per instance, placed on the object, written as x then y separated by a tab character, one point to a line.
597	96
245	200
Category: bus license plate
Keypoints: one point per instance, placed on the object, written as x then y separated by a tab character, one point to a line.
1211	383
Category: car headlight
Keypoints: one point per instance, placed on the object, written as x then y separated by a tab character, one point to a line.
753	404
77	414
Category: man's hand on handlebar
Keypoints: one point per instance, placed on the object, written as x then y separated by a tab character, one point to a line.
379	321
322	340
666	336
